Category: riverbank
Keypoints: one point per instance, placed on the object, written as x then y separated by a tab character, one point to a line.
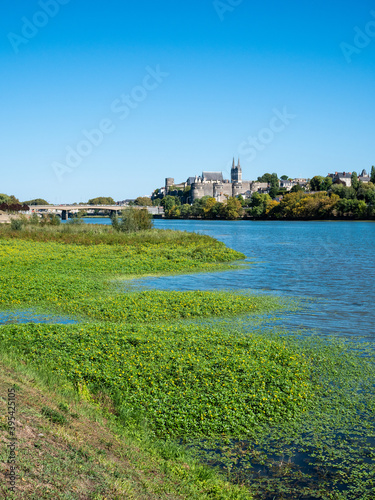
170	369
52	275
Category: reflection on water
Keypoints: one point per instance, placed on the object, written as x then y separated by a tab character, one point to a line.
30	316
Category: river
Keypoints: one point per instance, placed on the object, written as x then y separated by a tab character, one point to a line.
329	265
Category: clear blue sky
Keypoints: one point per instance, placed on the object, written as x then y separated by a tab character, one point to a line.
223	74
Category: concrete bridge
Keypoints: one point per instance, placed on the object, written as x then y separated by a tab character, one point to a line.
64	210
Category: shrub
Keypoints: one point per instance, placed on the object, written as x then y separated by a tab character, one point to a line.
16	224
34	219
133	220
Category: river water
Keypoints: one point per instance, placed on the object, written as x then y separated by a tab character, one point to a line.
329	265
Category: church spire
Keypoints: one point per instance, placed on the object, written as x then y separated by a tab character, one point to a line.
233	165
239	166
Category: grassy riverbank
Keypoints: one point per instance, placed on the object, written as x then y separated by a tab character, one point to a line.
163	368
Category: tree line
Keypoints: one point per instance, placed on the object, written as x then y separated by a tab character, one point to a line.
322	198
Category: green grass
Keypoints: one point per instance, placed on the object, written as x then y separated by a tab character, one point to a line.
164	366
90	456
184	380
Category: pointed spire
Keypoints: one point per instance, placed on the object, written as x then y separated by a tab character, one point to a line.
239	166
233	165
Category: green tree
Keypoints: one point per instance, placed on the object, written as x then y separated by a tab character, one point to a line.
10	199
185	210
296	188
208	205
37	201
284	177
372	175
143	201
366	192
343	191
133	220
258	204
231	208
102	200
274	185
168	202
242	199
319	183
265	178
34	219
355	181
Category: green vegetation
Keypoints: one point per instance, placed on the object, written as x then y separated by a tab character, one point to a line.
143	201
339	201
319	199
4	198
206	208
102	200
90	455
36	201
319	183
185	381
132	220
167	370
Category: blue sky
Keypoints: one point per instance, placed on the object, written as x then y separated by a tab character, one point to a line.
109	98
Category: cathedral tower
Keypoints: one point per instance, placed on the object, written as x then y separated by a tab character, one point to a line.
236	172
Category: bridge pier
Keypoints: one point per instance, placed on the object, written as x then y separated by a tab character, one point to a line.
64	215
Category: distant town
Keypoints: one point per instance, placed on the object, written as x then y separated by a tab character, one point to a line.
210	196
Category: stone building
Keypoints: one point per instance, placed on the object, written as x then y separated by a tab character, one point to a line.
214	185
345	178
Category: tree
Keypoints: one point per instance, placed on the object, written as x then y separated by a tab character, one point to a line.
265	178
258	204
284	177
37	201
208	205
296	188
372	175
366	192
242	199
102	200
274	184
13	207
197	208
303	205
355	181
168	202
4	198
231	208
319	183
143	201
343	191
133	220
185	210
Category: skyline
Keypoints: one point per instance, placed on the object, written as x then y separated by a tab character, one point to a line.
109	100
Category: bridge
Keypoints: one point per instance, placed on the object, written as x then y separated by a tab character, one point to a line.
64	210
